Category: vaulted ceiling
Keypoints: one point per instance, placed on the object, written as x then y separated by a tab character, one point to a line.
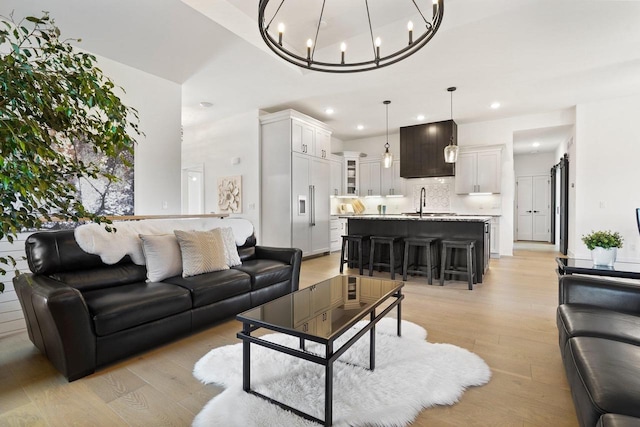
531	56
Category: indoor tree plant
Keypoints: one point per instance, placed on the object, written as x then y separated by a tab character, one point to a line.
604	246
50	96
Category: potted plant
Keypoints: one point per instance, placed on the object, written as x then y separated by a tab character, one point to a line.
604	246
52	94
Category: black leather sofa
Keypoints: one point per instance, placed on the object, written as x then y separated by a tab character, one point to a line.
599	330
83	314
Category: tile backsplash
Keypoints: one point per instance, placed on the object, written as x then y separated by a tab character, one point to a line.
441	197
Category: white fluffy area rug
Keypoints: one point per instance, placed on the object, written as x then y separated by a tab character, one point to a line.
411	374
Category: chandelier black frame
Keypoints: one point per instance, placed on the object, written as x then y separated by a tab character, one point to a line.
340	66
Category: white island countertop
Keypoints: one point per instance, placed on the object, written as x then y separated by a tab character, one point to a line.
425	217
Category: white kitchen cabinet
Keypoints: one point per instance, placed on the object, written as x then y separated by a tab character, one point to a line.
294	184
351	173
302	137
392	183
478	170
370	178
337	176
322	143
337	228
495	237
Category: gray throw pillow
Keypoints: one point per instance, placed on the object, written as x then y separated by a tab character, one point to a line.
230	248
162	256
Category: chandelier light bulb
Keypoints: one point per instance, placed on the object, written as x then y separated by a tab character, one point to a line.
378	41
309	44
410	28
343	48
280	33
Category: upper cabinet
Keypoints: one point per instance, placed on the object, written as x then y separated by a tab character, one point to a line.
309	139
478	170
351	173
323	144
337	176
422	149
302	137
370	178
392	183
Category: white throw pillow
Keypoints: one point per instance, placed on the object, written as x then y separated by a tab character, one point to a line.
202	251
230	248
162	256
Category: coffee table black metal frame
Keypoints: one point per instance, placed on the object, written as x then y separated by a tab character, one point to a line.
583	266
250	325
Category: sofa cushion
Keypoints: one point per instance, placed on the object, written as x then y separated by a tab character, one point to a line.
265	272
587	320
161	255
213	287
102	277
605	373
617	420
121	307
202	251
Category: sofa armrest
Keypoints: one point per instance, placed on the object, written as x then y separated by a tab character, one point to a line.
58	323
611	294
291	256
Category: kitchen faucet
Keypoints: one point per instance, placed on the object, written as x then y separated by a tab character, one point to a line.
423	199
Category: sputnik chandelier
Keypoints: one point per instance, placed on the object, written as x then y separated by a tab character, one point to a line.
272	22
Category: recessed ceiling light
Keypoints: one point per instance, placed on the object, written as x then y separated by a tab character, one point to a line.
329	110
360	127
420	117
206	104
495	105
536	144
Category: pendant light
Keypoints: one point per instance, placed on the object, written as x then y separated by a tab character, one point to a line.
387	156
451	150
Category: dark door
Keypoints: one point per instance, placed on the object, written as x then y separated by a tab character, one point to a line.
563	169
554	204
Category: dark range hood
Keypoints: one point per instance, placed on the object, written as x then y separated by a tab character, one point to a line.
422	149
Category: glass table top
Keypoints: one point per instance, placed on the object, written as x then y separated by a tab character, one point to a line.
586	266
325	309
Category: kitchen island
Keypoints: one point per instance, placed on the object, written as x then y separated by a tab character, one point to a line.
467	227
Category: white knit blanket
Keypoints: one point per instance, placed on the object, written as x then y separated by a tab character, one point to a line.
111	247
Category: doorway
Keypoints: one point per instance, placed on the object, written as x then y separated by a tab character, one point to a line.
533	204
193	190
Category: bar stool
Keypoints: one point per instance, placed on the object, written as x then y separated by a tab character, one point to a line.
359	241
384	240
430	245
447	267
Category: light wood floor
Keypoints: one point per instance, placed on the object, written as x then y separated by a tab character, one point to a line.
509	321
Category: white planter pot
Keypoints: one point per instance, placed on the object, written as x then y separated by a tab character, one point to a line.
604	257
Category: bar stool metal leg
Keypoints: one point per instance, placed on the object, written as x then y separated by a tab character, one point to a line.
405	264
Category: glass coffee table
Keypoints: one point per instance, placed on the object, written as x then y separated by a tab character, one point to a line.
321	313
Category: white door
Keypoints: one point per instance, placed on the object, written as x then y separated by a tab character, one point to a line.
541	206
525	208
533	208
300	234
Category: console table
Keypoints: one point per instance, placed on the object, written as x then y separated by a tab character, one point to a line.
624	270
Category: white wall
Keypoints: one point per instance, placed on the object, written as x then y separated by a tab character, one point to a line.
607	173
534	164
501	132
157	155
215	145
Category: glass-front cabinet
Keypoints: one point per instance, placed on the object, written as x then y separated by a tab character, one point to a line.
351	173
